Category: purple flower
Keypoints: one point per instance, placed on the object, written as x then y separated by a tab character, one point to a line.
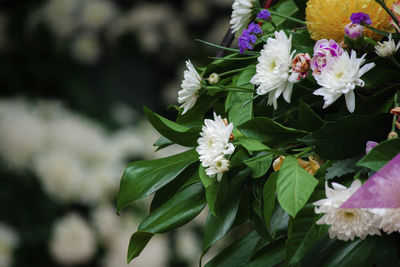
254	28
264	14
370	145
248	37
360	18
325	53
354	31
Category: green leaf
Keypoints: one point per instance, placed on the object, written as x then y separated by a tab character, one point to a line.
173	131
294	186
141	178
270	132
259	164
215	191
342	167
269	197
252	144
195	116
179	210
237	254
217	228
309	120
279	221
381	154
162	142
346	137
137	243
238	113
270	255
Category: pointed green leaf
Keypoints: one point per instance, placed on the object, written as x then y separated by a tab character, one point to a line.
309	120
215	191
179	210
252	144
269	131
269	197
346	137
294	186
381	154
259	164
173	131
141	178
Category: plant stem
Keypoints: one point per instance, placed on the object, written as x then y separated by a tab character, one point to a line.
382	3
232	71
396	104
228	49
287	17
377	31
395	62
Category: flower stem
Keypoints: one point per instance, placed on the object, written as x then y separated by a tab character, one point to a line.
395	62
382	3
228	49
396	104
232	71
287	17
305	151
377	31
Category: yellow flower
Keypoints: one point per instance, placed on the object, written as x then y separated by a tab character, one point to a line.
326	19
310	166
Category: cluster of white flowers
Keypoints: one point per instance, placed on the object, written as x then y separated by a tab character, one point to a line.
8	242
214	145
68	153
272	71
73	241
345	223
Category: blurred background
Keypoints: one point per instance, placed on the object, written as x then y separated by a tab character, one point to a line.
74	75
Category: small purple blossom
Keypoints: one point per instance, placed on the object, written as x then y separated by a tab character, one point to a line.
369	146
354	31
360	18
325	53
248	37
264	14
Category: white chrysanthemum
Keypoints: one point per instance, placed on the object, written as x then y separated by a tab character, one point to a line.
241	15
344	224
387	48
387	219
191	85
8	241
342	78
274	64
73	242
214	145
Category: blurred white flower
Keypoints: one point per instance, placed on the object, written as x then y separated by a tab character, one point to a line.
191	85
21	134
106	221
73	241
272	70
387	48
187	244
345	224
97	13
86	48
342	78
8	242
241	15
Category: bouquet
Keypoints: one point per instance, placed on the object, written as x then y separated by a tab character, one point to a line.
291	136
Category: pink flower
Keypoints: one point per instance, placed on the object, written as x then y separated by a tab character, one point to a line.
370	145
325	53
300	66
396	11
354	31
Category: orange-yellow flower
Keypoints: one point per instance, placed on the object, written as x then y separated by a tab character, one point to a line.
326	19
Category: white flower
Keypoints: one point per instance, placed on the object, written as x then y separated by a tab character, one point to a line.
387	48
241	15
8	241
388	219
342	78
73	242
344	224
214	145
274	64
191	85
